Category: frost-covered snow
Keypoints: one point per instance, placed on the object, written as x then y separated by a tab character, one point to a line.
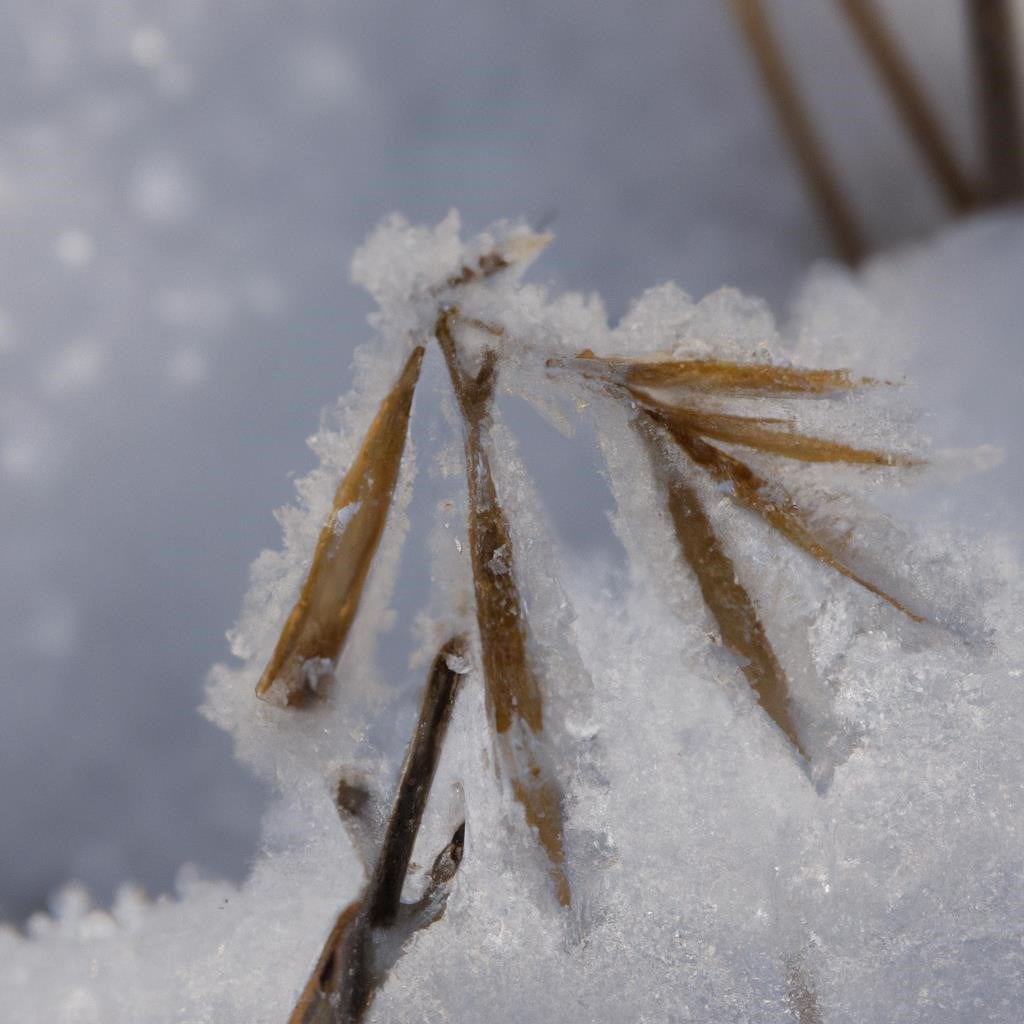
715	876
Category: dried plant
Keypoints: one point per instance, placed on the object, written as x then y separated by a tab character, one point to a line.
369	933
676	410
923	126
991	31
680	432
315	632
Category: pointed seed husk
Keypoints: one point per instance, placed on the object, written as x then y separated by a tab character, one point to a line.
725	596
316	630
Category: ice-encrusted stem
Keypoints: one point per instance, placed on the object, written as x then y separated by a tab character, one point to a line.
514	700
368	934
819	175
911	103
993	40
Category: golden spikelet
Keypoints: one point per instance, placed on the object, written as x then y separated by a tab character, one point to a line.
675	420
315	632
726	598
716	376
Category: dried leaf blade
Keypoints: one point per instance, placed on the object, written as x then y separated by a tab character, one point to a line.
724	595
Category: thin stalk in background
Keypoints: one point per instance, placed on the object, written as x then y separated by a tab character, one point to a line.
911	103
993	43
819	176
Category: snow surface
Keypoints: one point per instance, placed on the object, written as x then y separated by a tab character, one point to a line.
707	865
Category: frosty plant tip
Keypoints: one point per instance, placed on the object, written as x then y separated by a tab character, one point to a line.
711	428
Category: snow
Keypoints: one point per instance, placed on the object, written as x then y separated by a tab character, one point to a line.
714	874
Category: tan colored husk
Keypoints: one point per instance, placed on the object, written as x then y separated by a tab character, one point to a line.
755	380
316	630
723	593
773	436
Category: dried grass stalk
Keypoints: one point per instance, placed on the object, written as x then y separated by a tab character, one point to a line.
771	501
726	598
911	103
315	632
721	377
514	699
997	76
691	429
368	934
819	176
764	435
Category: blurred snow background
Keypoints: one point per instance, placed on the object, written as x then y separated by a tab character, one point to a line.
181	188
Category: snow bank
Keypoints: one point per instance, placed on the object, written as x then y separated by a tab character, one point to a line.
717	872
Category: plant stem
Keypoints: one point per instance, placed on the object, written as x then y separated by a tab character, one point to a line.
908	96
995	71
819	176
515	703
345	978
385	890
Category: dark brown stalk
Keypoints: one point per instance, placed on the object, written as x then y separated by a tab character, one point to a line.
998	99
350	968
726	598
513	695
315	632
819	176
908	96
385	891
800	994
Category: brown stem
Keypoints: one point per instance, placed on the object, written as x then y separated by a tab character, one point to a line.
346	976
819	176
995	70
514	700
385	891
908	96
